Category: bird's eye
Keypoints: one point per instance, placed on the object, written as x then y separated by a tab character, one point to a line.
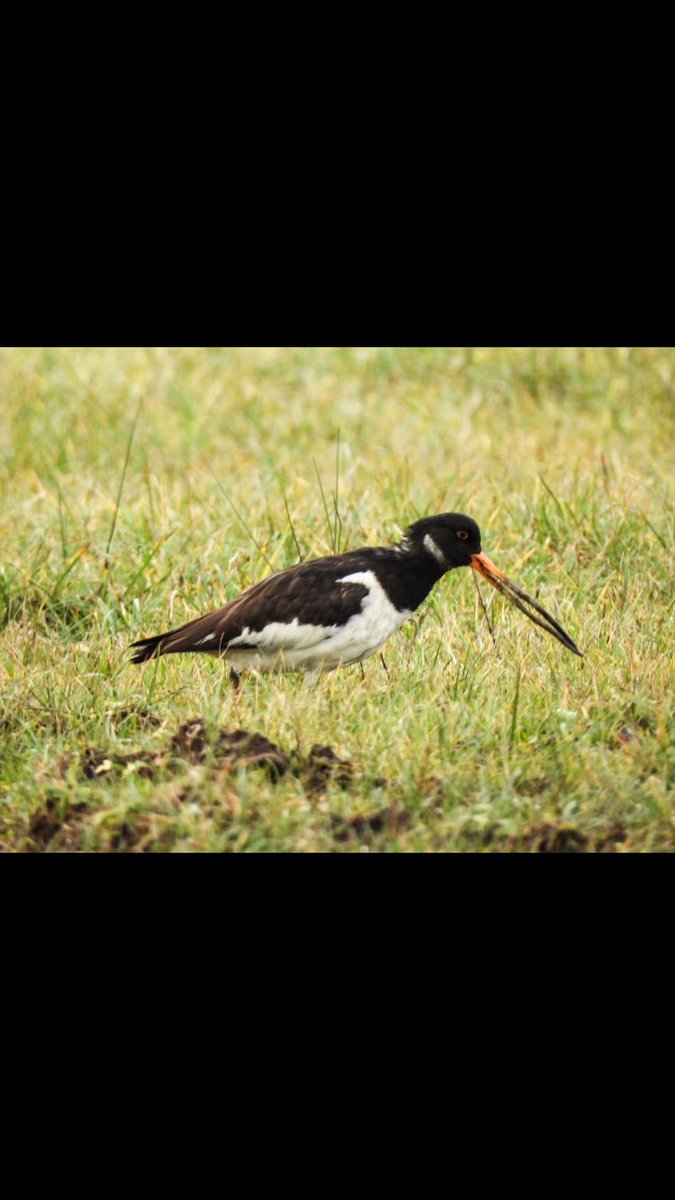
462	533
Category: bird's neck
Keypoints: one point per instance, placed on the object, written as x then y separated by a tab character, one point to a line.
414	573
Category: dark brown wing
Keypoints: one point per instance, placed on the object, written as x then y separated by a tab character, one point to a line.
309	593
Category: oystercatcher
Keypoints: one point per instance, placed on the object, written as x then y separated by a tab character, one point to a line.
335	611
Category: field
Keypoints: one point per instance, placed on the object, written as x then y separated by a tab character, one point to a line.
141	487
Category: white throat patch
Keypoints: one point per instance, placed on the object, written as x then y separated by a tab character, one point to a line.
430	545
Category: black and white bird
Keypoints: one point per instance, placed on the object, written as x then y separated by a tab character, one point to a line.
335	611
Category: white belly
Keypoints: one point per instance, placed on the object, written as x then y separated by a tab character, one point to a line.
296	647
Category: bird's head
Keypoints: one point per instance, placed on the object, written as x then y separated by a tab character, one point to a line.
453	540
450	538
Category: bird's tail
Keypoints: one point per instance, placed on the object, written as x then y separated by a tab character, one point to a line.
187	639
148	648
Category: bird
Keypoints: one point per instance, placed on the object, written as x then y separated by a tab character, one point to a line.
332	612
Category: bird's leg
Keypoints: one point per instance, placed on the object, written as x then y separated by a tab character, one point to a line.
235	679
384	663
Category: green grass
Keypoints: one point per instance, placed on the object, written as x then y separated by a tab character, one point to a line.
564	457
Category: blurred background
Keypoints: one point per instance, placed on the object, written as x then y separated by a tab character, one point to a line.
420	430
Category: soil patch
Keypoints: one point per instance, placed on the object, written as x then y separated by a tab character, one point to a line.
323	766
252	750
194	743
142	718
365	826
552	838
233	746
47	826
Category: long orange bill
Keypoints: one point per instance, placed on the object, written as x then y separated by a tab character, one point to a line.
482	564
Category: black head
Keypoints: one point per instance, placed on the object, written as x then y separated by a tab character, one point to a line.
450	538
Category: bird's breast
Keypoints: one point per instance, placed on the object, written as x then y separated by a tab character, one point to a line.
378	617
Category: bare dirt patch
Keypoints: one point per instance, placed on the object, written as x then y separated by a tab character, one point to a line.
194	743
238	747
140	718
533	786
97	764
252	750
190	741
322	767
48	828
558	838
365	826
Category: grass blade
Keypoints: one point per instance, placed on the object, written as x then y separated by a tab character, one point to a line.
338	520
514	710
238	515
485	611
325	507
292	528
106	563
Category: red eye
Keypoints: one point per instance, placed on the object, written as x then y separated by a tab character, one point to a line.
461	533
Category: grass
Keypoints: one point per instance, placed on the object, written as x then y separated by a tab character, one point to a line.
243	460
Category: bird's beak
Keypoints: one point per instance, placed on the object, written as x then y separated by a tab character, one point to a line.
482	564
